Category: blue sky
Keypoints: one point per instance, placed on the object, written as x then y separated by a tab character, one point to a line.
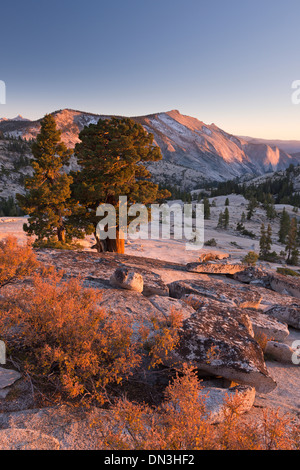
228	62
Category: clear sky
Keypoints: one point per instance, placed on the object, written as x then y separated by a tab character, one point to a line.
231	62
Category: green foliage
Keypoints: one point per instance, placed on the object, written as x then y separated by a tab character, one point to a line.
269	207
248	233
211	242
9	208
17	146
280	188
206	207
111	156
292	244
251	207
288	272
265	243
240	227
55	244
285	223
48	196
251	258
223	220
21	162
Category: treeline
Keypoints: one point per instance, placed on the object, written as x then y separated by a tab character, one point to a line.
184	195
281	189
9	208
176	193
16	144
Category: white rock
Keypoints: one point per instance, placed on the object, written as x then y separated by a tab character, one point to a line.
126	278
281	352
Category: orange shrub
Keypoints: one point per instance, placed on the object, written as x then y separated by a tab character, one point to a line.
66	340
16	261
182	423
163	337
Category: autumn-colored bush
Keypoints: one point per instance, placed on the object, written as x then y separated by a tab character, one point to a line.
64	340
182	423
16	261
178	424
163	337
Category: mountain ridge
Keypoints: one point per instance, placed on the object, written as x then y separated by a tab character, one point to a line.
193	152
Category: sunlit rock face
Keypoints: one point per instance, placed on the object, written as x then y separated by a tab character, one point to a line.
193	152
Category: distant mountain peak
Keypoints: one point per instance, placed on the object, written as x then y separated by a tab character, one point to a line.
20	118
17	118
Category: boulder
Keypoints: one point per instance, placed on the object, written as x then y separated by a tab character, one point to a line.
267	326
216	399
289	314
127	278
252	275
167	305
285	284
153	284
214	268
260	323
197	303
60	427
231	294
270	298
26	439
280	352
135	305
217	340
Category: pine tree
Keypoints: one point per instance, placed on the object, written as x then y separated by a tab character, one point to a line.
226	218
269	239
221	220
206	208
227	202
111	156
265	242
251	207
262	241
292	244
269	207
285	224
48	197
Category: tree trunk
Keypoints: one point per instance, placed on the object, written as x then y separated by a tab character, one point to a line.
61	234
110	245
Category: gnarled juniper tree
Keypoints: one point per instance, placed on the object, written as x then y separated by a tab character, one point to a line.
111	156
